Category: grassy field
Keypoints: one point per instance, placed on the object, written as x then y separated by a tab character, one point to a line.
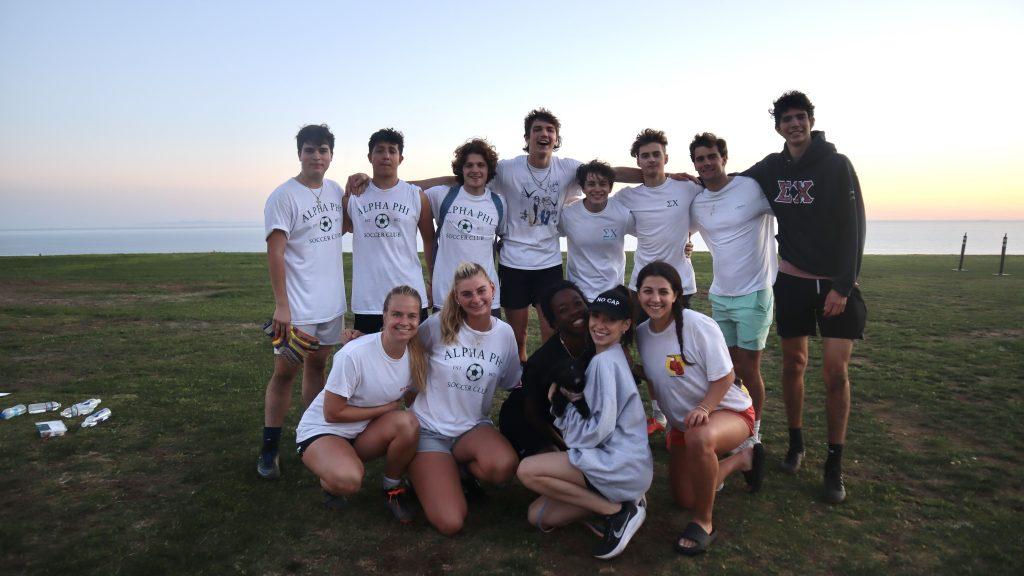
171	343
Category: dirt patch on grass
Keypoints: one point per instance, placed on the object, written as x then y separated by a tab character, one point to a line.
1001	333
105	295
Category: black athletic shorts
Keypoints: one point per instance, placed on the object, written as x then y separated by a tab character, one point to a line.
522	288
301	446
373	323
799	303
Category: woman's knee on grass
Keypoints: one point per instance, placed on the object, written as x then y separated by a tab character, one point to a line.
343	481
447	522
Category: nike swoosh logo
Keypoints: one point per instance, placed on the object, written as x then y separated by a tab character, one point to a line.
618	533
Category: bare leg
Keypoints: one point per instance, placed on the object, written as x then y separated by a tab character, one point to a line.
336	464
393	435
547	513
794	363
836	360
748	368
487	454
553	476
313	374
278	398
724	431
546	330
435	477
519	320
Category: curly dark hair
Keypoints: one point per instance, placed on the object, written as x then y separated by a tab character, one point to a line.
544	115
389	135
595	167
475	146
315	134
789	100
709	140
648	136
549	294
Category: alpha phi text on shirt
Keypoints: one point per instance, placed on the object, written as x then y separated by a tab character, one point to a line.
474	371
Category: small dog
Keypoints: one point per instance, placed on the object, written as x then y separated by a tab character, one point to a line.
569	381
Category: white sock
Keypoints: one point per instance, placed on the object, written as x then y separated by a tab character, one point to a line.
757	431
390	483
657	414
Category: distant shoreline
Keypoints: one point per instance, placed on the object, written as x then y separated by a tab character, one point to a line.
883	237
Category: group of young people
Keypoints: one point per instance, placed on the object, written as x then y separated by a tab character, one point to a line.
585	453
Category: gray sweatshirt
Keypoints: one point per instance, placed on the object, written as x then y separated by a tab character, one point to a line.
611	447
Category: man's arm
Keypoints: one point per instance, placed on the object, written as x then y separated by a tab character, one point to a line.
356	183
426	226
436	181
627	175
346	225
850	216
275	263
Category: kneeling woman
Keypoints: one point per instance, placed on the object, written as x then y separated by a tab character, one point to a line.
358	415
470	353
687	362
608	466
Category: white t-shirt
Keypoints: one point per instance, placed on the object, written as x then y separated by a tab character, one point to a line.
662	224
467	236
738	226
677	387
597	258
461	377
535	199
314	278
384	254
364	374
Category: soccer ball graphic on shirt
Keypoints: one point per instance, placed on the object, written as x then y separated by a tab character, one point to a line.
474	372
465	226
326	224
382	220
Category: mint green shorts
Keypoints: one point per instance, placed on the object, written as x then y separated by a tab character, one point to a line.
744	320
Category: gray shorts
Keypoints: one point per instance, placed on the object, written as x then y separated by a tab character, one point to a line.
328	333
431	441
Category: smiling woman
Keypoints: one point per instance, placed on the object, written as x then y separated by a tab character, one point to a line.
607	467
471	355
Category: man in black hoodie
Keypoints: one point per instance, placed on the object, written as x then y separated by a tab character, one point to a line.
816	197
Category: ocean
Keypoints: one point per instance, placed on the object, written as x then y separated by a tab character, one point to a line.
883	237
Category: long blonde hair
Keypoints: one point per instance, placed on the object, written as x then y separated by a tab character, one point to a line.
417	356
452	315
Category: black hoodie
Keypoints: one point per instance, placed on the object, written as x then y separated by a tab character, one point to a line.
820	210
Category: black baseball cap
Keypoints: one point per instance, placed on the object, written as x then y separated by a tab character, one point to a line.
612	303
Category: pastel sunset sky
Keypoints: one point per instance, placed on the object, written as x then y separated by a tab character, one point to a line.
131	113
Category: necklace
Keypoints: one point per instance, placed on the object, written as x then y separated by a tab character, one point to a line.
566	348
315	195
539	183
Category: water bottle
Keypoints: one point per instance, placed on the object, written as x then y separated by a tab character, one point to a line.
83	408
13	411
43	407
96	418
